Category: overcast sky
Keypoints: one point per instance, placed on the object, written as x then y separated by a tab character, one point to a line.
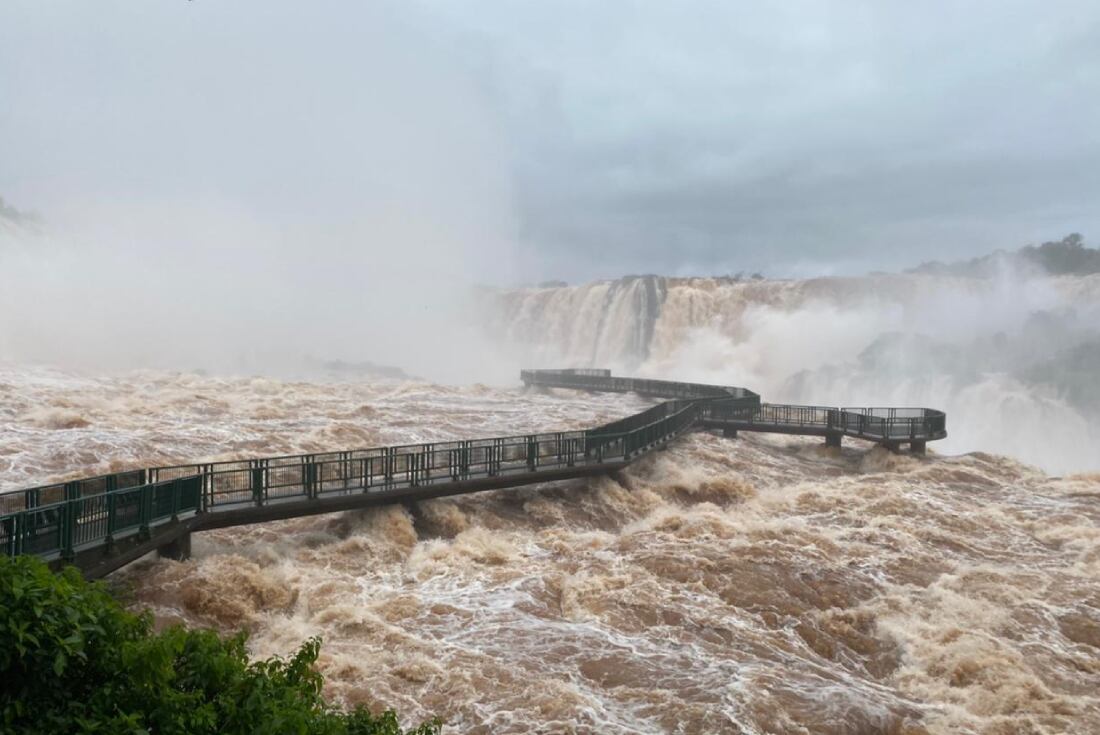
570	139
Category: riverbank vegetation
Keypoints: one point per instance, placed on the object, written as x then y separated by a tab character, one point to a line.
74	660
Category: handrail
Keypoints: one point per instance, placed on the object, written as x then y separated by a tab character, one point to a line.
58	519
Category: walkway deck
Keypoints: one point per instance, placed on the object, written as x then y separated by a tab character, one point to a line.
102	523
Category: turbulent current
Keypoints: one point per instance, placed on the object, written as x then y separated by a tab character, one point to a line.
753	585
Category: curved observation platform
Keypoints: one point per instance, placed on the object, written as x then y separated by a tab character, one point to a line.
101	523
891	427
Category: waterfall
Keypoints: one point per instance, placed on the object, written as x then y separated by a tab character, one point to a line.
984	349
606	323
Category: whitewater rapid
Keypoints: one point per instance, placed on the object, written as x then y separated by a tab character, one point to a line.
763	584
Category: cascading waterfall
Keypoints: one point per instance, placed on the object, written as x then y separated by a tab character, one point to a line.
606	323
986	350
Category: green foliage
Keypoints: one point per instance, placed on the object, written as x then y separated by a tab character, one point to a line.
1069	256
73	660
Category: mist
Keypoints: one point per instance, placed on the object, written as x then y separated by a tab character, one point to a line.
250	186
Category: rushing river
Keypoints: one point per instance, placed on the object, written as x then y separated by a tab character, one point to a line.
759	584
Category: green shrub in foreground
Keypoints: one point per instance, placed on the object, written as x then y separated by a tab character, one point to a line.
73	660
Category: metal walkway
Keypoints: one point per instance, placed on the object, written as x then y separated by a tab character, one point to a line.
102	523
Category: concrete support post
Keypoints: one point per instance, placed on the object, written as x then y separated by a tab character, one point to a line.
729	433
892	446
917	446
178	549
832	440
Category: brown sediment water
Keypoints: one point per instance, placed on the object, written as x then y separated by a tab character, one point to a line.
757	585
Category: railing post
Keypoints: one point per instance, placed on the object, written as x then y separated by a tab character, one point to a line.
145	509
15	541
495	455
75	509
25	525
177	489
31	499
309	476
111	520
67	520
256	476
206	488
11	527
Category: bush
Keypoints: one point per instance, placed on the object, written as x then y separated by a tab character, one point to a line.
73	660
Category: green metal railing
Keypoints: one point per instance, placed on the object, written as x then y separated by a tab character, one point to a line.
98	518
57	520
876	424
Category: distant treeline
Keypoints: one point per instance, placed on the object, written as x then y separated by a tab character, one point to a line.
1068	256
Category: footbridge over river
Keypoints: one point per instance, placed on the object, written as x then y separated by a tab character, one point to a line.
101	523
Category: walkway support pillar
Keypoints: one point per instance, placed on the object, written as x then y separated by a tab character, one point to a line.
178	549
917	446
832	440
729	433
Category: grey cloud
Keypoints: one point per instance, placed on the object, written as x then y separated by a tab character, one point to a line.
597	138
707	135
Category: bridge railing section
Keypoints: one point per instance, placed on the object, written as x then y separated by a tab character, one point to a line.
734	409
633	434
873	423
36	497
258	481
894	423
602	380
583	372
98	518
793	415
95	516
